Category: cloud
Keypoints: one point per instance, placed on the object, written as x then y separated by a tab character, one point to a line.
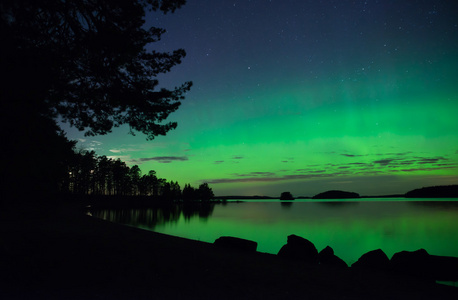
124	158
268	178
383	162
352	155
262	173
288	160
409	160
430	160
429	169
96	142
163	159
393	164
254	174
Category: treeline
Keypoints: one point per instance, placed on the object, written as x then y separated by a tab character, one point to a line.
89	174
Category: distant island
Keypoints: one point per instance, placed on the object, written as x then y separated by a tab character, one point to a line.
334	194
286	196
445	191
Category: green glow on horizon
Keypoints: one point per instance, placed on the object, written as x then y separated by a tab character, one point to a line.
284	139
376	121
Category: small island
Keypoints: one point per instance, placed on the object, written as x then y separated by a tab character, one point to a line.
334	194
286	196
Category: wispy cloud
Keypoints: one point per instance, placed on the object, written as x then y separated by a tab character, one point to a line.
393	164
163	159
92	145
125	158
266	178
352	155
383	162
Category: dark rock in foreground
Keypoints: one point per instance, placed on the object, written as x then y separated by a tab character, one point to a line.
446	191
236	243
298	248
375	259
415	263
445	268
327	257
421	264
336	195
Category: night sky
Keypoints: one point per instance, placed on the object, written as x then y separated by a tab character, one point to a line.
306	96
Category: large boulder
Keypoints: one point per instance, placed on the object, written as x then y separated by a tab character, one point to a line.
328	258
375	259
416	263
236	243
298	248
421	264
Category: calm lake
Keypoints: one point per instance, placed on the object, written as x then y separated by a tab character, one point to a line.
351	228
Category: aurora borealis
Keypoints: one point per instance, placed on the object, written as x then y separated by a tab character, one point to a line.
306	96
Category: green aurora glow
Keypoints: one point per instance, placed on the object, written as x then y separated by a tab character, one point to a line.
376	116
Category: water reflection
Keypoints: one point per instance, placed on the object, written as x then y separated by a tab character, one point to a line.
158	216
338	203
286	204
350	228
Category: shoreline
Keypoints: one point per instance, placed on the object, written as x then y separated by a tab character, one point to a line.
56	252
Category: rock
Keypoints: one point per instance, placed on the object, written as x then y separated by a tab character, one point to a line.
328	251
421	264
328	258
298	248
375	259
445	268
416	263
236	243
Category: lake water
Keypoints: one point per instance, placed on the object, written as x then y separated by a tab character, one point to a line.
351	228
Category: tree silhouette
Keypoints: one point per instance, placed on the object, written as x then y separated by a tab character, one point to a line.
88	63
189	193
135	174
205	192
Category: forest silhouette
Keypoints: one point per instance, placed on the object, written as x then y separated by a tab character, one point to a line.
89	174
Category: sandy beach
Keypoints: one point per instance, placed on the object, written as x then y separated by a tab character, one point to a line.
55	251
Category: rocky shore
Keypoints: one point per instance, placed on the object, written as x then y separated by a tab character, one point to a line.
57	252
